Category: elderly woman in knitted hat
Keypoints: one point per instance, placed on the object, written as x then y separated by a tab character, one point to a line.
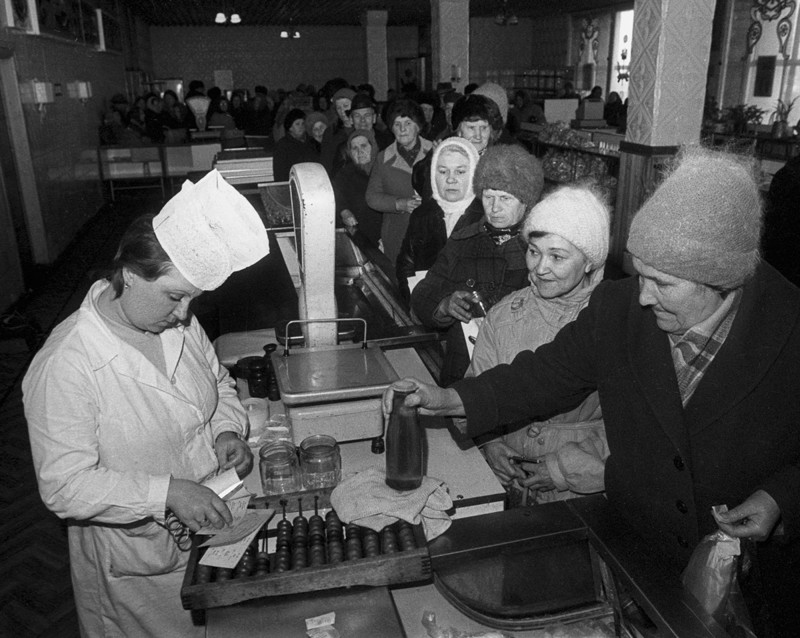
486	257
697	361
453	205
390	191
294	147
567	234
129	411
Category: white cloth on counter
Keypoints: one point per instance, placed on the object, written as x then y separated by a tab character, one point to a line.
365	499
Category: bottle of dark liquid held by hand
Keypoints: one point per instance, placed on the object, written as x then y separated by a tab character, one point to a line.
405	444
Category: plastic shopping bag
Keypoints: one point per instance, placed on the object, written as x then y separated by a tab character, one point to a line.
711	577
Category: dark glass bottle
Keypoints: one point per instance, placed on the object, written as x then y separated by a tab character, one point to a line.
258	378
405	445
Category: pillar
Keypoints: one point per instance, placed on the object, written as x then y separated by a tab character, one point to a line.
450	42
377	53
669	62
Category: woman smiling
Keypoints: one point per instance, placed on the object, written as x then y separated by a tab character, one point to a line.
567	235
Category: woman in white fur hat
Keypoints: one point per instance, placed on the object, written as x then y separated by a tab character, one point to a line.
129	410
567	235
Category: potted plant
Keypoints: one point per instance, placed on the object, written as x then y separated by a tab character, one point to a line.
743	115
780	126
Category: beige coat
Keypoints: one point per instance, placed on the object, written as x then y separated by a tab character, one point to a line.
107	431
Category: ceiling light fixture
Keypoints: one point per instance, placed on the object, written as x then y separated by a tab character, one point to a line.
506	17
220	19
235	18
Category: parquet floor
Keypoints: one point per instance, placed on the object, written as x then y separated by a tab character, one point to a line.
35	588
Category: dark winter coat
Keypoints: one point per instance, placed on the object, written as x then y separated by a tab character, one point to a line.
739	432
470	260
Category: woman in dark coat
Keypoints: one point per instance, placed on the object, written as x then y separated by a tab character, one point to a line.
452	205
696	362
487	256
294	147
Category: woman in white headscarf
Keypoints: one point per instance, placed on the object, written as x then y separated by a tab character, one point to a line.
567	235
453	205
129	411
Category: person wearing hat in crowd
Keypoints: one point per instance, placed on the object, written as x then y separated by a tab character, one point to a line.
363	116
316	123
696	361
453	205
476	119
350	187
435	121
486	257
567	235
336	134
129	411
390	191
260	116
294	147
499	96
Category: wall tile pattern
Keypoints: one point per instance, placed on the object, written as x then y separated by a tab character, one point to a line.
669	59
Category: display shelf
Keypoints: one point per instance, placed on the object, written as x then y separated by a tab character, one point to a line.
542	83
761	146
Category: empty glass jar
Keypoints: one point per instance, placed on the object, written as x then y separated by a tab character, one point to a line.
280	471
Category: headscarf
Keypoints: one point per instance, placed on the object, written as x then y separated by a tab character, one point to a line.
454	210
370	135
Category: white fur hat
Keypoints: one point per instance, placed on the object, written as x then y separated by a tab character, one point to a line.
576	214
210	230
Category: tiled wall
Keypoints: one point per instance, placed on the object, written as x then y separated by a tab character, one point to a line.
63	130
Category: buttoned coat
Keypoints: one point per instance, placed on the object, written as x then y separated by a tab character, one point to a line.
739	432
108	429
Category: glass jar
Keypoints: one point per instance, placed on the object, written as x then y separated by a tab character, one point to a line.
320	461
280	471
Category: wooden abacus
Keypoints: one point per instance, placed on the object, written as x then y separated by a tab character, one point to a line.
311	554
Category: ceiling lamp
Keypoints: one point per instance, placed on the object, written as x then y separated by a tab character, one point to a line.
235	18
220	19
506	17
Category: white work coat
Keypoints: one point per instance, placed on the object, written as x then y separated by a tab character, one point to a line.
107	430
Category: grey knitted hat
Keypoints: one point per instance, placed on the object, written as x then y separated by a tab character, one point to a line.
703	223
510	168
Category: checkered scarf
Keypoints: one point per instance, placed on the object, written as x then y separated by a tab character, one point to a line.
695	350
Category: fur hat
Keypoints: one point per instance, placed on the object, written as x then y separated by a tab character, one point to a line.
497	94
405	108
510	168
292	116
703	223
578	215
476	107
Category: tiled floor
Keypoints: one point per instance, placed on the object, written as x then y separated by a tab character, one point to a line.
35	587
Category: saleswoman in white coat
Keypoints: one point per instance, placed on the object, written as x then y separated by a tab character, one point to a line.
129	411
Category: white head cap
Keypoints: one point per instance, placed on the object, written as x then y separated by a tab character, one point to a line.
576	214
210	230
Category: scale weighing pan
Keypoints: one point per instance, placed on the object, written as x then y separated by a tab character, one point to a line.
335	373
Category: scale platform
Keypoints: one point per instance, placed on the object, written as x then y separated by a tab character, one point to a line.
334	390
